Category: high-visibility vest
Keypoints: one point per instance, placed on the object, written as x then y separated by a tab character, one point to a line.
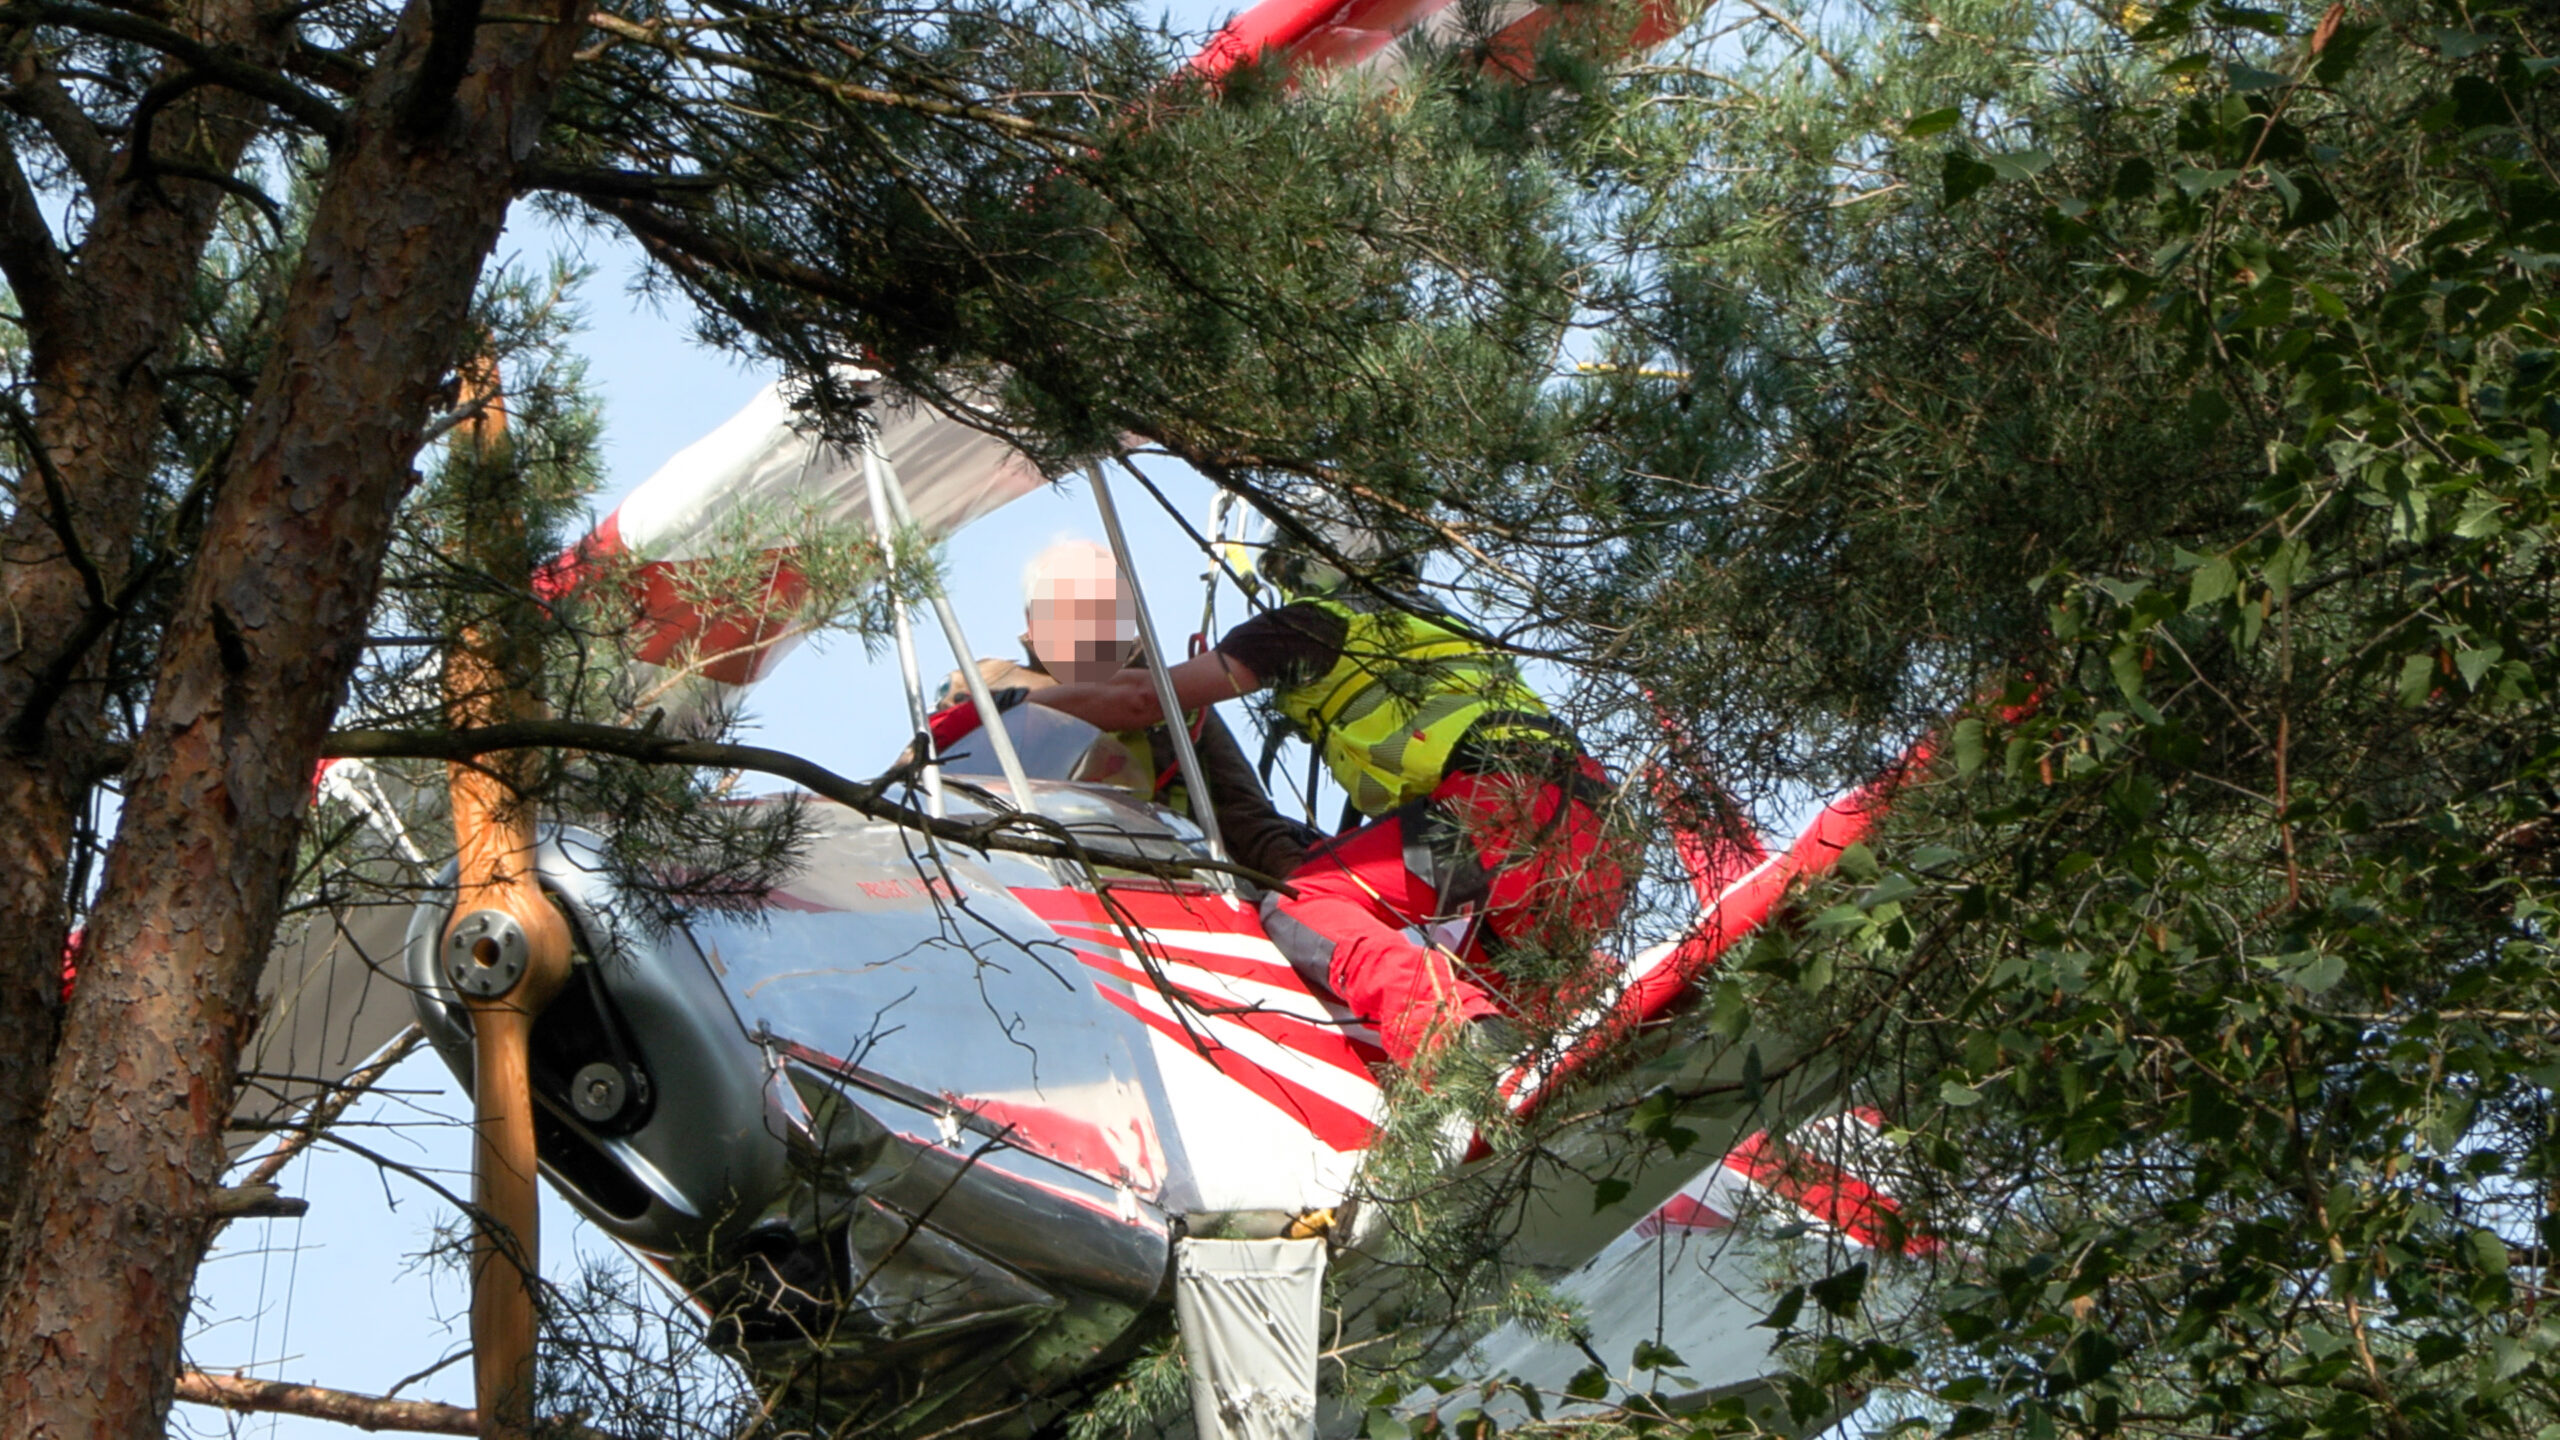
1405	690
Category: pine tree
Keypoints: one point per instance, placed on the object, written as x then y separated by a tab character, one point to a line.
2154	407
243	244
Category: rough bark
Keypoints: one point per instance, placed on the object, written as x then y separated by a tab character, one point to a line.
255	657
99	328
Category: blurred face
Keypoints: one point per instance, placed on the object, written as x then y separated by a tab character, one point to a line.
1083	623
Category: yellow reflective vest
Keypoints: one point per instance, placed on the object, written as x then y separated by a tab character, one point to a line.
1402	694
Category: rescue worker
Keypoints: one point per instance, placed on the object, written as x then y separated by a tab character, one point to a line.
1080	624
1485	808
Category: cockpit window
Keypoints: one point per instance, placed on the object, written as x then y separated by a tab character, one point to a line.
1080	777
1053	746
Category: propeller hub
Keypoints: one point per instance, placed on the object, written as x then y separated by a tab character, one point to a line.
485	954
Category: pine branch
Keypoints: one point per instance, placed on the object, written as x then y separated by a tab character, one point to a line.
615	184
1047	840
313	1402
38	95
672	243
219	66
659	38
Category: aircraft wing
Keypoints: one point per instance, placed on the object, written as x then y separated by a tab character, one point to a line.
333	996
759	478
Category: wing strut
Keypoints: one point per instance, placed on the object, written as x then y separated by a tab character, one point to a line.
886	534
1202	809
884	476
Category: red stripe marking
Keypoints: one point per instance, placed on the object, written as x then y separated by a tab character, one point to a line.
1345	32
1361	29
1683	1212
1824	1191
1278	973
1146	907
1273	25
1325	1120
1513	49
732	637
1072	1140
1667	985
1300	1037
568	570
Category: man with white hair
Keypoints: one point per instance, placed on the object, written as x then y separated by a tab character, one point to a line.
1080	626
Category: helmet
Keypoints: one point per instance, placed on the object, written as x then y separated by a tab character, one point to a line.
1298	568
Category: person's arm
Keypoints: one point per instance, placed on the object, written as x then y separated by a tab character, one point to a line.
1127	701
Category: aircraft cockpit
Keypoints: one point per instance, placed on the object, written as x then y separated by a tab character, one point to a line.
1076	775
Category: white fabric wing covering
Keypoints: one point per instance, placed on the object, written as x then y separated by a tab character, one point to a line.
760	485
762	463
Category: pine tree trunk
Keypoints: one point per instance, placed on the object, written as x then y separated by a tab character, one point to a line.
257	655
98	334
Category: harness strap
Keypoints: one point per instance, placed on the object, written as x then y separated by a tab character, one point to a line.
1437	847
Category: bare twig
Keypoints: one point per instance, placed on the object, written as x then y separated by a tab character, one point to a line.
343	1407
38	95
325	1111
660	38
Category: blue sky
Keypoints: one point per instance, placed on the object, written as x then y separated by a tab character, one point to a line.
339	1298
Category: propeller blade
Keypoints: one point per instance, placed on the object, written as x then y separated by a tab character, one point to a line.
508	953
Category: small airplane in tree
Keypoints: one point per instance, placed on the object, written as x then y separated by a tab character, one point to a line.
926	1136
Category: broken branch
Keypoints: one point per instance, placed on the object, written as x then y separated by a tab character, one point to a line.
343	1407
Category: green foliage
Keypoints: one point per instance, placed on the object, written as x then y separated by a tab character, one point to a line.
497	506
2176	422
2155	404
1150	1395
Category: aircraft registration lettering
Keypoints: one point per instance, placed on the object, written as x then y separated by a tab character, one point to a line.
923	888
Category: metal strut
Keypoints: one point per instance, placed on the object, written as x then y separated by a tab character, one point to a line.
885	475
1203	812
886	529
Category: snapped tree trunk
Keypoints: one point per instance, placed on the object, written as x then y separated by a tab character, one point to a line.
262	639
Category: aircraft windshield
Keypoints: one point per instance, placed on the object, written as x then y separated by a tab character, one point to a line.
1080	777
1053	746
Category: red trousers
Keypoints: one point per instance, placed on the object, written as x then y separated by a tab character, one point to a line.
1524	856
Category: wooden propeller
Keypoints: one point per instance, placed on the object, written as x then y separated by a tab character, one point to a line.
507	948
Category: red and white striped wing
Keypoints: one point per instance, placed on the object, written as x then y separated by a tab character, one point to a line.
1364	34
